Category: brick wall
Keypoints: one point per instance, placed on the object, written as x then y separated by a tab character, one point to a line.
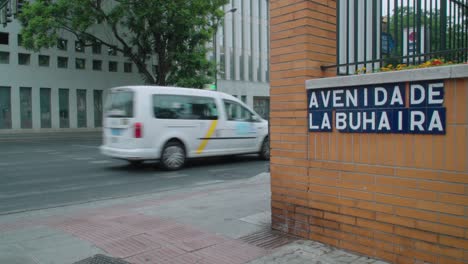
401	198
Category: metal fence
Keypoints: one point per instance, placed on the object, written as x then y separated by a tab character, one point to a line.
373	34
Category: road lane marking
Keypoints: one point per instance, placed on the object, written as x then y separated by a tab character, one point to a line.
85	146
174	175
208	182
82	158
100	161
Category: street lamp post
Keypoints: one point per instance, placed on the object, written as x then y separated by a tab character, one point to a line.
215	46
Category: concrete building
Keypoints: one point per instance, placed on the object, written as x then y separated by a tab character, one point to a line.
63	88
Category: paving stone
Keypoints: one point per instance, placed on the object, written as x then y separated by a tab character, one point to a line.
131	246
156	256
64	251
26	234
231	252
13	254
312	253
263	219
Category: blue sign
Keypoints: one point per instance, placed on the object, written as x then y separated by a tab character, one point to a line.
388	44
382	108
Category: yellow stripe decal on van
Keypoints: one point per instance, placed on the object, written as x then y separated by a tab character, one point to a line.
208	135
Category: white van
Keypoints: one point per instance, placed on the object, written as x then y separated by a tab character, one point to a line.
171	124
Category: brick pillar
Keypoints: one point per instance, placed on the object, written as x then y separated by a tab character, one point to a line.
303	38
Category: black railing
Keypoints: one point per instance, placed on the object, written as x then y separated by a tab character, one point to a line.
372	34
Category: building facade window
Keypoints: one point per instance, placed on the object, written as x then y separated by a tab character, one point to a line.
97	48
97	108
112	66
20	40
80	64
79	46
64	106
261	105
128	67
62	62
81	107
5	107
4	57
46	120
24	59
62	44
44	60
26	107
97	65
112	51
4	38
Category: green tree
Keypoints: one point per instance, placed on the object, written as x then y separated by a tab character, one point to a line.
175	32
444	33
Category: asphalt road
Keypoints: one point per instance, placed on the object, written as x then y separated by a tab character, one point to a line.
48	170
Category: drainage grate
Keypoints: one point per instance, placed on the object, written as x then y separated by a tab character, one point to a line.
102	259
268	239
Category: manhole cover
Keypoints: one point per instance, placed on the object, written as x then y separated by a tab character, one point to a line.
102	259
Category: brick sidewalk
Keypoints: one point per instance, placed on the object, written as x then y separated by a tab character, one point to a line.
220	224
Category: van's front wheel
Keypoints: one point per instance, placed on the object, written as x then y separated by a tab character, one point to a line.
173	156
265	149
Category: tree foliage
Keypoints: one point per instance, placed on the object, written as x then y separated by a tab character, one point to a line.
443	33
174	33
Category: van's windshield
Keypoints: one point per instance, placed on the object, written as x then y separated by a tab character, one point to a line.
120	104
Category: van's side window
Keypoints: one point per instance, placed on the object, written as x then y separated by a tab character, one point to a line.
236	112
184	107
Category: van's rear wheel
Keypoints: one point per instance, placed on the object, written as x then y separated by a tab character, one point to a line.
173	156
265	149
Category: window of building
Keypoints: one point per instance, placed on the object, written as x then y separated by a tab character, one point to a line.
80	64
262	106
184	107
97	65
4	38
97	48
24	59
44	60
5	107
62	44
244	99
127	67
4	57
79	46
26	107
64	105
97	108
112	51
81	107
20	40
62	62
112	66
46	120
